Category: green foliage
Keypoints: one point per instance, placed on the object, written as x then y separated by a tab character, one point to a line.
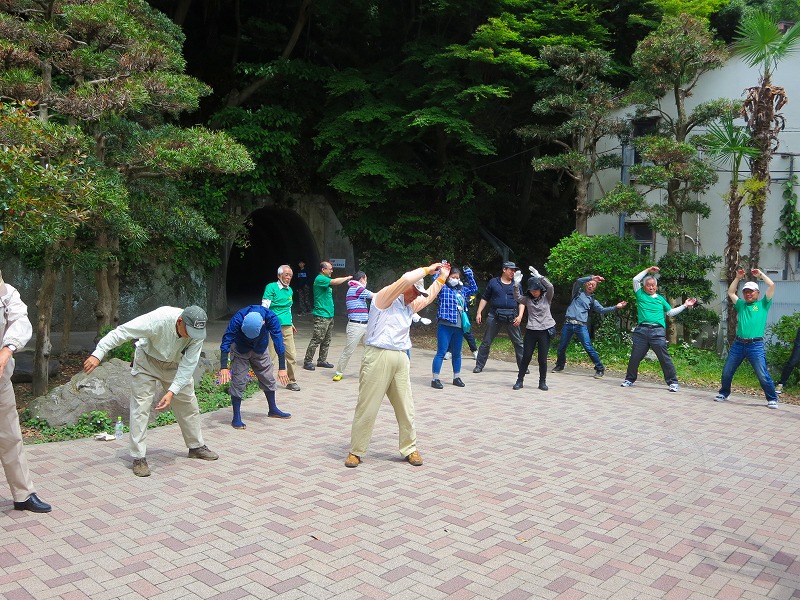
684	275
613	257
89	424
789	234
124	351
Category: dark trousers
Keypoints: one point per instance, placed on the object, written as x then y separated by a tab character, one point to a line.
535	339
492	328
645	338
582	333
794	360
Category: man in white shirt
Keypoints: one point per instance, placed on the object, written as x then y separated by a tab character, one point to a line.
169	344
384	368
15	332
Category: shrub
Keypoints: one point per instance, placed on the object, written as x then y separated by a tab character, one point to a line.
122	352
781	337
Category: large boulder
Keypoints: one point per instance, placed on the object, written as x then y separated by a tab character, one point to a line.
23	367
107	388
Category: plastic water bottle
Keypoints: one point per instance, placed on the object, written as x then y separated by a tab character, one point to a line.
119	428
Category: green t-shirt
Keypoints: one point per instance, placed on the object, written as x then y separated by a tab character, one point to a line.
281	298
323	297
752	317
651	309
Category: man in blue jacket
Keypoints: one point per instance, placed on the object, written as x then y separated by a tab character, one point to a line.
246	341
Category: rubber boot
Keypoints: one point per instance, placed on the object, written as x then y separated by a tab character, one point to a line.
236	404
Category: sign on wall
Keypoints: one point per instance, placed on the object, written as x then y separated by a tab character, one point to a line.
338	263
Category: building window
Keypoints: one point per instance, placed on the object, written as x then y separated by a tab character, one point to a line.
643	234
641	128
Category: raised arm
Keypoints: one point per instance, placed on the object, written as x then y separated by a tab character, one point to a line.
770	284
734	286
384	298
637	280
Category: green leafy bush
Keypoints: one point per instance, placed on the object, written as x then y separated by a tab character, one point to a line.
122	352
781	337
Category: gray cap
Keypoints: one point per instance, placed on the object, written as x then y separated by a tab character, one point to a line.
195	319
510	265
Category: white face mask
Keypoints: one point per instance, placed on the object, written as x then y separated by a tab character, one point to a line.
453	282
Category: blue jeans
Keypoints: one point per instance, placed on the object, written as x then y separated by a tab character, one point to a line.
448	339
754	353
582	332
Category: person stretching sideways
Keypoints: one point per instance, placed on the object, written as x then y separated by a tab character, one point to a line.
651	332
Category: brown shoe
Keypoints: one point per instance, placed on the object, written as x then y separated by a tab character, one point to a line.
414	459
352	461
140	468
203	452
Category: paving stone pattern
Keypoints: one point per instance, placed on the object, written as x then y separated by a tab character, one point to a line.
585	491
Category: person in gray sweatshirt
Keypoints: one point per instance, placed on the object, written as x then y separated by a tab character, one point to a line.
540	326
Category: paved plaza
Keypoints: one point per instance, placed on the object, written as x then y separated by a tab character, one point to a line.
585	491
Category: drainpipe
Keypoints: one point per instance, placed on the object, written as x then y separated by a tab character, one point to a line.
624	177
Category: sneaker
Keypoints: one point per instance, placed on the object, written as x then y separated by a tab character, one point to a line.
337	377
324	364
674	387
543	386
414	459
720	398
203	452
448	355
293	387
772	404
309	366
457	382
140	468
626	383
598	373
436	384
352	461
518	385
557	369
779	388
477	369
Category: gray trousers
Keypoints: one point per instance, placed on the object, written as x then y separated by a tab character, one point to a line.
12	452
645	338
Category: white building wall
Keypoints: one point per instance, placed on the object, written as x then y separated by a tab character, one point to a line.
730	82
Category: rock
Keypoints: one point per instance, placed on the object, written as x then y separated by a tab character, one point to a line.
107	388
23	367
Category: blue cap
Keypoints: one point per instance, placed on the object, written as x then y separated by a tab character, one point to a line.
251	326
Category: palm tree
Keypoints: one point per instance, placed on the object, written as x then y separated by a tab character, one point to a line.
729	145
761	44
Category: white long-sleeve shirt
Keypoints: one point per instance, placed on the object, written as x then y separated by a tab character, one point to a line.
15	328
158	337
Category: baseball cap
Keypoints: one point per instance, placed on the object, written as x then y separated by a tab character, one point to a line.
510	265
420	287
535	283
195	319
251	325
751	285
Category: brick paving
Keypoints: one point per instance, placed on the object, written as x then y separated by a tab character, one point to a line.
585	491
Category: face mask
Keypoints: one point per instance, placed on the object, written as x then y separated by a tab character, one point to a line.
453	282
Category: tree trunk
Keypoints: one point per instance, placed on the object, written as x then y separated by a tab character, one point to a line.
582	208
113	280
103	308
69	279
732	248
44	305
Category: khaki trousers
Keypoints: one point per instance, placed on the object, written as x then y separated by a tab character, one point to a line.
383	372
355	333
12	453
291	352
151	378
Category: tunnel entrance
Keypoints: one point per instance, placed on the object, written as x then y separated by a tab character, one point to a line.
277	236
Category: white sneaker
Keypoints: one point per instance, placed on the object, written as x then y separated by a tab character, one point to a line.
626	383
448	356
673	387
720	398
772	404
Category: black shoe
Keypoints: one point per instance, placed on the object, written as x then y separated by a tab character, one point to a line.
33	504
543	386
324	365
436	384
557	369
293	387
477	369
598	373
457	382
518	385
308	366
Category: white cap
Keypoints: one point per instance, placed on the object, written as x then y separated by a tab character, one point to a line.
751	285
